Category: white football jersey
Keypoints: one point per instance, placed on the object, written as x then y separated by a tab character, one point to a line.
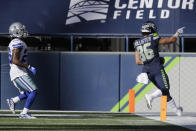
17	71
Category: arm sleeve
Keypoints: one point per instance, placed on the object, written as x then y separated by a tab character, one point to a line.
156	37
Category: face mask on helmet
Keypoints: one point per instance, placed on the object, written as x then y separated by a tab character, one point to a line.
17	30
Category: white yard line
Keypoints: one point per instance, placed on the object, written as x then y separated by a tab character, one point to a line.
187	120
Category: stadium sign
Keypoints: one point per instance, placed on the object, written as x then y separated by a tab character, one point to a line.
96	17
141	5
107	14
86	10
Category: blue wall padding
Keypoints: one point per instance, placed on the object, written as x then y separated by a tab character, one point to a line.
7	88
1	70
89	81
129	72
75	81
47	81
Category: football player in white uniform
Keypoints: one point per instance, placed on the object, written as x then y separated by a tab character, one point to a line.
19	70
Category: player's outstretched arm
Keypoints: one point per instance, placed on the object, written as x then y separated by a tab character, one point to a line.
137	58
170	40
173	38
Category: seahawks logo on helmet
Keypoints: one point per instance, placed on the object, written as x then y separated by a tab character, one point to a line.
149	27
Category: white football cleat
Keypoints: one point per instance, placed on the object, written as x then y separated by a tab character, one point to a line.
179	111
26	116
11	105
148	101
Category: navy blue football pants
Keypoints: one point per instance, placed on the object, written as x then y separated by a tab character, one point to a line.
160	80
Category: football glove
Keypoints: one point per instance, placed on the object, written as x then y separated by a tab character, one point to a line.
32	69
179	31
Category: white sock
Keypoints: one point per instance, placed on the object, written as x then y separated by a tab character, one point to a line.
156	94
16	99
172	105
25	110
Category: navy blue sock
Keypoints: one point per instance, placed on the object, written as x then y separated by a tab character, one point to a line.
24	95
30	99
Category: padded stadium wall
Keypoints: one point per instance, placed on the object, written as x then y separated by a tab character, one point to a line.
99	81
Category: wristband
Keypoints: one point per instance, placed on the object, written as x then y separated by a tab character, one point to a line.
176	34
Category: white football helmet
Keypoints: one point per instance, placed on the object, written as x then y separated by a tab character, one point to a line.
18	30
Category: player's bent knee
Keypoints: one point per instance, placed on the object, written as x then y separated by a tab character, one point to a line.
165	91
169	98
34	92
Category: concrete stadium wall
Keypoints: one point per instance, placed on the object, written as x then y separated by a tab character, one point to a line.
99	81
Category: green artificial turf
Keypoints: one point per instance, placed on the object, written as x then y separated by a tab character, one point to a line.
82	121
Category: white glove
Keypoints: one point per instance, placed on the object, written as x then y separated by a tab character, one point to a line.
142	78
179	31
